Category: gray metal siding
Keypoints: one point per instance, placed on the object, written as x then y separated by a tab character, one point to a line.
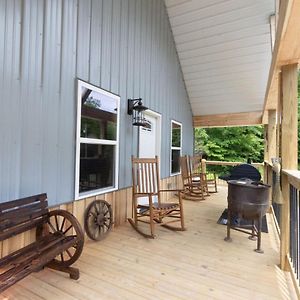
124	46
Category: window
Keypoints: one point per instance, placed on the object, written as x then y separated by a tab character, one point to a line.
176	136
97	141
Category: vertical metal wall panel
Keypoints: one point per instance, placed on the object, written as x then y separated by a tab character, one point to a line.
144	71
132	132
67	109
148	48
6	58
125	46
3	15
51	98
154	52
96	42
115	47
84	38
137	49
31	148
107	17
126	128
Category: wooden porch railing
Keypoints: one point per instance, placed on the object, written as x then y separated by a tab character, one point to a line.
290	225
287	220
231	163
270	179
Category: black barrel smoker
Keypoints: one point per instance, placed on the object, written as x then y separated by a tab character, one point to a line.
249	200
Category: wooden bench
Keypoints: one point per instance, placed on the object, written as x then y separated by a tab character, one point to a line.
59	239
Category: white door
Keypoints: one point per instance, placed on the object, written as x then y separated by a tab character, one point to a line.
149	142
149	137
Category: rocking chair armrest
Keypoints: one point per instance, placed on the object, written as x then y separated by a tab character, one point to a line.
211	173
176	190
144	194
179	191
196	174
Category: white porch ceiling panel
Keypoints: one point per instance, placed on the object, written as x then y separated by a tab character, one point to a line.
224	47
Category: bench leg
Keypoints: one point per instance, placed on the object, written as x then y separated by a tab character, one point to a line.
73	272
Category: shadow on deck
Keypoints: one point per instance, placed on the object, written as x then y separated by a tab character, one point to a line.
195	264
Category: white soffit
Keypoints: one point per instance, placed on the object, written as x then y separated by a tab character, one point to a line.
224	47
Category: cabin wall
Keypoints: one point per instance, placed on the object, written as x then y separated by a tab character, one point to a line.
124	46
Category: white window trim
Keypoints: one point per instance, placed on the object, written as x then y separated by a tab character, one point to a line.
175	148
80	140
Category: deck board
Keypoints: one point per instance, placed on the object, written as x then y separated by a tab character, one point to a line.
195	264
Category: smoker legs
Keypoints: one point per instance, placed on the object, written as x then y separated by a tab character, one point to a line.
259	250
252	237
255	232
228	238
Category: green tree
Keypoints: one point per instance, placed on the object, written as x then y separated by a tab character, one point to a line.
230	144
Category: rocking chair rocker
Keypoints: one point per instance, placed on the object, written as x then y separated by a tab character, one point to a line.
146	203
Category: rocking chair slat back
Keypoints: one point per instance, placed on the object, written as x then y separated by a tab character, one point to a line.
195	164
145	175
185	170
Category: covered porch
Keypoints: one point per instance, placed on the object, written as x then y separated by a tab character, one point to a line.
195	264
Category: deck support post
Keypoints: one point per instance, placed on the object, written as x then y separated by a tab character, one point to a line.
266	143
289	150
271	134
271	146
279	114
266	154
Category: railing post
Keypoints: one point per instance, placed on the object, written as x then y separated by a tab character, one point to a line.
279	114
285	224
266	153
289	150
272	139
266	143
266	167
271	134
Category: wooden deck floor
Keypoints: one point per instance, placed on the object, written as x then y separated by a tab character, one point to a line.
196	264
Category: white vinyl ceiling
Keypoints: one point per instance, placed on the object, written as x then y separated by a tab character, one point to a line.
224	47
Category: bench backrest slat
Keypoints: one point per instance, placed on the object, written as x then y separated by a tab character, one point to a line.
22	214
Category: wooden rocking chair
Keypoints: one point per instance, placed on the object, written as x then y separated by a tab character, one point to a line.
146	203
193	183
210	178
198	166
195	164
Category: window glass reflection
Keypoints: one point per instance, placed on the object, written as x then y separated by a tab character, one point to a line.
175	166
97	165
176	135
98	116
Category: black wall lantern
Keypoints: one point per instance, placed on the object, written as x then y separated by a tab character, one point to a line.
136	110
